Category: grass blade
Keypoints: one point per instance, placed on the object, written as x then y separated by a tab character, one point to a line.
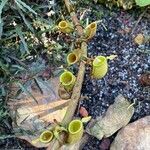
26	6
1	7
20	6
1	29
20	34
25	21
1	21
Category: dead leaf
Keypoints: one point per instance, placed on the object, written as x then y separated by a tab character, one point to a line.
36	117
63	93
139	39
145	79
111	57
117	116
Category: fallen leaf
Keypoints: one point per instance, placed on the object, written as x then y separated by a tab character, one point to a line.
83	112
63	93
33	116
139	39
117	116
145	79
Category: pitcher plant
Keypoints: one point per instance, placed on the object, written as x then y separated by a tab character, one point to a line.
67	79
65	27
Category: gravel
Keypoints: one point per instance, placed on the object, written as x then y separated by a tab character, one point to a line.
124	72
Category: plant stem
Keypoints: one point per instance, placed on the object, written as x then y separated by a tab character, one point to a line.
55	145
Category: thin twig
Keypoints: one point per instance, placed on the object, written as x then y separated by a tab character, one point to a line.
139	19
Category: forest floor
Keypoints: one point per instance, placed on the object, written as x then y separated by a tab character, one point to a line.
115	35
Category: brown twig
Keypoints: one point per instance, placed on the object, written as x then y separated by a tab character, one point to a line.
139	19
55	145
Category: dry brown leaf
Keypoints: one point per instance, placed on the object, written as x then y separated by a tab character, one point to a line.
35	117
117	116
139	39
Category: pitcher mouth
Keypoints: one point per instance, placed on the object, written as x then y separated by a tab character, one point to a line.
98	61
46	136
62	24
75	126
72	58
93	25
66	78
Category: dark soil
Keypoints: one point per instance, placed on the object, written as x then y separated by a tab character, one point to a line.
124	71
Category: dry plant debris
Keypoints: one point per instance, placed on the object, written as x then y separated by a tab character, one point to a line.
139	39
145	79
35	117
83	112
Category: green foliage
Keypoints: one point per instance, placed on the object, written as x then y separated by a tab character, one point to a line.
142	2
26	28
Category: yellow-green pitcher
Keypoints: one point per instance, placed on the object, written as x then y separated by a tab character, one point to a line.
99	67
74	57
75	129
90	30
67	79
46	136
65	26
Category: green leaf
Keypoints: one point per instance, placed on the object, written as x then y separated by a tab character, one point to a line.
4	67
20	6
3	114
2	137
20	34
1	7
1	21
142	2
25	6
18	67
25	20
3	91
1	28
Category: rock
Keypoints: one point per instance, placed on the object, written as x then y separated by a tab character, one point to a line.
83	112
117	116
135	136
